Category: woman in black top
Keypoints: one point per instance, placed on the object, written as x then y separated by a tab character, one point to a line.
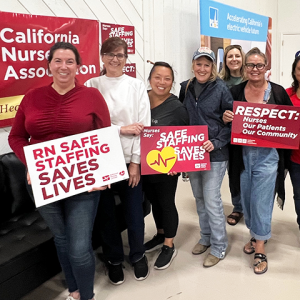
160	189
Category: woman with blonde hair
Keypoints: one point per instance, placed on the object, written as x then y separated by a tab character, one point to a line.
233	65
206	98
233	74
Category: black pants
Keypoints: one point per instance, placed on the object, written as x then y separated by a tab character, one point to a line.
161	194
132	210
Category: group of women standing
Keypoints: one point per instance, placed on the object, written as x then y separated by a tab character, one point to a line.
64	108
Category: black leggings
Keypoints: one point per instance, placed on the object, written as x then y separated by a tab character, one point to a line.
162	197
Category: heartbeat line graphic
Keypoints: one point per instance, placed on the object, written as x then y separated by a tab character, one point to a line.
160	159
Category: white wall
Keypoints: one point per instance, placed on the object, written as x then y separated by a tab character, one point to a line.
289	32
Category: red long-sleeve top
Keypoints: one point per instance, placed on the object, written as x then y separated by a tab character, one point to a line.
45	115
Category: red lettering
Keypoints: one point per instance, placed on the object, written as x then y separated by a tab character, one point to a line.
78	154
50	150
49	161
65	188
84	140
69	172
59	161
90	180
104	148
69	156
94	139
57	175
56	189
45	196
40	165
38	153
64	147
43	177
75	145
93	164
78	183
82	168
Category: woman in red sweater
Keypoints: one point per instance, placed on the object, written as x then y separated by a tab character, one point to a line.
61	109
294	93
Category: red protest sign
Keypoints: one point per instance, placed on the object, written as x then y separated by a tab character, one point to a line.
25	41
130	69
261	125
174	148
125	32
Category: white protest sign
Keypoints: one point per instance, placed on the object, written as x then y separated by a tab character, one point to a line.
71	165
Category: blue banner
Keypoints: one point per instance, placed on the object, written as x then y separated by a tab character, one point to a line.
224	21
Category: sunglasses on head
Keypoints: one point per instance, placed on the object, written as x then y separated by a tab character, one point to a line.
233	47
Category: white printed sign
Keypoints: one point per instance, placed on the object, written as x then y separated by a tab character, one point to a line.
71	165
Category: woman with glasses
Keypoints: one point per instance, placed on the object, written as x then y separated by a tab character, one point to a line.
294	168
255	169
233	73
129	108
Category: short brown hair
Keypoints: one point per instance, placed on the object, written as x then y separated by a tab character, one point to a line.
113	43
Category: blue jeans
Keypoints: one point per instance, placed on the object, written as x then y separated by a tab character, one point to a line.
295	178
71	222
206	187
258	189
132	204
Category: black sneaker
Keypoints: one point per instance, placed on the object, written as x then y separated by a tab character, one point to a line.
115	273
165	257
141	270
156	243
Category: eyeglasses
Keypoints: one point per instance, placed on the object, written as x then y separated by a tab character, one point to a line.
111	56
251	66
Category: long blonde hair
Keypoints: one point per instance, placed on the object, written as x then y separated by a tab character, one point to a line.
225	72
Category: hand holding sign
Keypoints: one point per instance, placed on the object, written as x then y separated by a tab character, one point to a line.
173	149
132	129
261	125
71	165
100	188
228	116
208	146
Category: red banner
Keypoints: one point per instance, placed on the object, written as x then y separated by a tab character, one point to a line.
125	32
174	148
130	70
261	125
25	41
